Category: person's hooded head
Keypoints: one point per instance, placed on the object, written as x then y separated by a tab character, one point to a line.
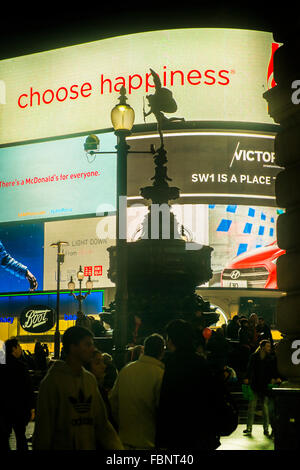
180	336
154	346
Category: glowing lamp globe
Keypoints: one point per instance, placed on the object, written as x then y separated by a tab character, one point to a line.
122	115
89	283
80	274
71	284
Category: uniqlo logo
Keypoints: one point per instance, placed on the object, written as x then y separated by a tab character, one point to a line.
88	270
97	270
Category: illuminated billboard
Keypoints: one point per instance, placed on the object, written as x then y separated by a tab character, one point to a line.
243	238
29	245
88	242
227	201
215	74
56	179
50	189
210	166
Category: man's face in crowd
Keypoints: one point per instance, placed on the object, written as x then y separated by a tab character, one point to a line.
98	366
267	348
83	351
17	351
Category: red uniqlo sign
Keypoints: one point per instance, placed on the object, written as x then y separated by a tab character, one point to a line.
97	270
88	270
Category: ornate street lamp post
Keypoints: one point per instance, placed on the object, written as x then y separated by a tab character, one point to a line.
60	260
80	297
122	117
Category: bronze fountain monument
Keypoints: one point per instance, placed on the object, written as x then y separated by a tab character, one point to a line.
162	273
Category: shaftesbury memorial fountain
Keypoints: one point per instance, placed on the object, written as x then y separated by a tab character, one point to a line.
164	268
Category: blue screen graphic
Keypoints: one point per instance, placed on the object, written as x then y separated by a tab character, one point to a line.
56	179
12	306
25	243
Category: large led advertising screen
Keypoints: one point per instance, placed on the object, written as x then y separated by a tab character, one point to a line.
210	166
51	190
243	238
56	179
215	74
227	201
30	245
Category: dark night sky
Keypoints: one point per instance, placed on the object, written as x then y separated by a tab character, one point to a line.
24	32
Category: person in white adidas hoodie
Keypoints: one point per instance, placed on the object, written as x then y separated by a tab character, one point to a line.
71	414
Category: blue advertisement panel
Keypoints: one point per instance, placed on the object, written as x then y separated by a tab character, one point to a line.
21	246
11	306
56	179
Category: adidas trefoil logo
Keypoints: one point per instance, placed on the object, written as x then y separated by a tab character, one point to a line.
81	405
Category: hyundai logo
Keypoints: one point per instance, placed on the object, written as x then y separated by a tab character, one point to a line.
235	274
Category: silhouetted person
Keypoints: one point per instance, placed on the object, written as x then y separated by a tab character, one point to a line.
244	345
261	370
188	395
40	356
254	338
71	414
20	403
111	372
97	367
135	396
232	331
264	331
4	412
218	349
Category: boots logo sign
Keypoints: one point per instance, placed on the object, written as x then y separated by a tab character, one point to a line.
37	319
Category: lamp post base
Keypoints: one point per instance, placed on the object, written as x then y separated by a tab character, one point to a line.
286	418
56	344
119	355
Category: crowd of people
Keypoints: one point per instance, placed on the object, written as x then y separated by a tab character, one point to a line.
170	394
257	366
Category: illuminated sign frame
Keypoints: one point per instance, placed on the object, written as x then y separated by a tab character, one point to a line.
208	83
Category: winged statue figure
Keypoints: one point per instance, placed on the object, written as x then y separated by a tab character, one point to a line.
161	102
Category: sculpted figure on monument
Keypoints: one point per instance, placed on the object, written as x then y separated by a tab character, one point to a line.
161	102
